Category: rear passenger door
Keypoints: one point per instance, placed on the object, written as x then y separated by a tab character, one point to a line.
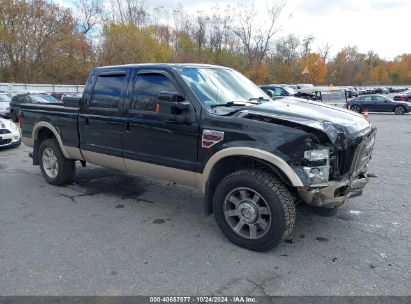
101	121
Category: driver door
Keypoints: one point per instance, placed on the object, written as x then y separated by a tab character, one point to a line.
154	135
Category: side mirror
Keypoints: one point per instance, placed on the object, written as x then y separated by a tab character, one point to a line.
170	97
172	103
270	93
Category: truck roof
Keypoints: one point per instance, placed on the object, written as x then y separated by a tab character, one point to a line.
162	65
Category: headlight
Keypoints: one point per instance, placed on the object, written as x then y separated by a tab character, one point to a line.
316	165
13	127
314	155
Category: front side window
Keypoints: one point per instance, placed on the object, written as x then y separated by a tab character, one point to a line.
107	91
146	90
278	91
214	86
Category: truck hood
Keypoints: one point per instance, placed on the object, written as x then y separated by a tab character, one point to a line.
331	120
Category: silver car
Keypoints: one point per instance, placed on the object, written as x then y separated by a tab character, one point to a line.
5	104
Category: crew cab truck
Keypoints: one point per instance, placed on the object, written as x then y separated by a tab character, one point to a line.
211	128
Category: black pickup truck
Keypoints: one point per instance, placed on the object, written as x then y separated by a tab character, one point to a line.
211	128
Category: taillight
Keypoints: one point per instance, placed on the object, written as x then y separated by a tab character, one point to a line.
19	116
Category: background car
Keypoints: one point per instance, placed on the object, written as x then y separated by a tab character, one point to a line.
5	104
405	96
61	95
9	134
280	91
381	90
29	98
378	103
352	92
362	91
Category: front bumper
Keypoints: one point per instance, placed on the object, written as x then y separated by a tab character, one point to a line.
334	193
10	139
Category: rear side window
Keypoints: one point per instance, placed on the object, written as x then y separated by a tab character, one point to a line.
107	91
146	90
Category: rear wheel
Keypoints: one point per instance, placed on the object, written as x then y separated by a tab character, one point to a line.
356	108
56	169
254	209
399	110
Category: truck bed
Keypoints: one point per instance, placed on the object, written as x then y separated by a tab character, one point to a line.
66	124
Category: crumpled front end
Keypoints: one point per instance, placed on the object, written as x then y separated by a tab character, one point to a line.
335	192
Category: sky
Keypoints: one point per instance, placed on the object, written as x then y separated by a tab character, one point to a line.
378	25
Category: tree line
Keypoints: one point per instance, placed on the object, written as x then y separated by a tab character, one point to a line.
42	42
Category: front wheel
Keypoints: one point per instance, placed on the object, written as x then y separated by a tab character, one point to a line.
399	110
254	209
56	169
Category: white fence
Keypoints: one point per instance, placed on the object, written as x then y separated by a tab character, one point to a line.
32	87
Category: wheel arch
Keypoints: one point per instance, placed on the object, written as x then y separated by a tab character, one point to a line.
43	130
230	160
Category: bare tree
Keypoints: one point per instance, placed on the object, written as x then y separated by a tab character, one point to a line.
200	30
307	42
90	14
256	40
287	50
325	51
129	12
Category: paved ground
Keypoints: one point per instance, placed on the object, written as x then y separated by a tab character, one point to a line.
111	233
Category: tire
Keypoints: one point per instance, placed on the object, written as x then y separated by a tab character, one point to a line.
399	110
14	116
260	202
58	170
356	108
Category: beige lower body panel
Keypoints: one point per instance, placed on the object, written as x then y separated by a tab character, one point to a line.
179	176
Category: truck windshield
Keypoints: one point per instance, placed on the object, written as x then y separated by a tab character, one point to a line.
214	86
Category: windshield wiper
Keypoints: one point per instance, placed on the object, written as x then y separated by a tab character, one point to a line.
229	104
259	99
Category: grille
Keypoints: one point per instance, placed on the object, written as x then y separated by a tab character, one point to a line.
5	142
4	131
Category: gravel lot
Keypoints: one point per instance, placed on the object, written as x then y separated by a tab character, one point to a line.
116	234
